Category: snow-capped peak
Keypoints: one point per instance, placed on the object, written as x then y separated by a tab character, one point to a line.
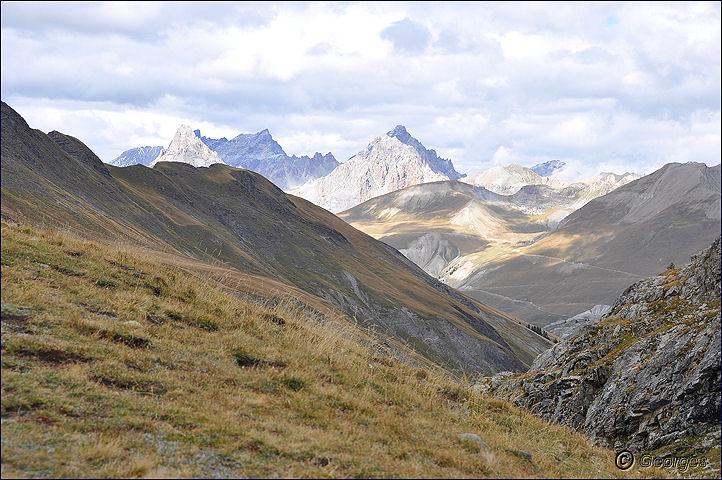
187	147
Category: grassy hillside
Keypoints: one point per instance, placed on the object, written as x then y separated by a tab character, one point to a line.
114	364
226	216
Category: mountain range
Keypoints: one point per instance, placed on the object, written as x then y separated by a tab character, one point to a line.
220	215
632	232
258	152
509	179
131	295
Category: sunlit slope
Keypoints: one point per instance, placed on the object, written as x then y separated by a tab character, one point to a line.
613	241
222	215
442	225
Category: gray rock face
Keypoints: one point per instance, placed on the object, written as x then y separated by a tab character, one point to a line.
570	327
644	377
260	153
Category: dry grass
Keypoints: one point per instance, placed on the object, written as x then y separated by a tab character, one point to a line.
117	366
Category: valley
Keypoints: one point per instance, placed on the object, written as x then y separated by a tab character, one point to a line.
507	251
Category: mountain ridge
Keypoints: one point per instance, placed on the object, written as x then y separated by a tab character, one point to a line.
219	213
536	253
610	242
258	152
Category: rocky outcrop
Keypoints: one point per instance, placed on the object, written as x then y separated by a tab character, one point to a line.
647	376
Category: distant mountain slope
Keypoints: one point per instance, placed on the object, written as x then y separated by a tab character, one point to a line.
137	156
647	376
508	252
238	217
443	226
547	168
438	224
260	153
390	162
597	251
509	179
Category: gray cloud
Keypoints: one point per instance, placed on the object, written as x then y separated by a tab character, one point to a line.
407	36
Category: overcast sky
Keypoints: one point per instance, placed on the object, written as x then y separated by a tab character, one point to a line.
601	86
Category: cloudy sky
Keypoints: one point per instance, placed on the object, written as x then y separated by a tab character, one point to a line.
601	86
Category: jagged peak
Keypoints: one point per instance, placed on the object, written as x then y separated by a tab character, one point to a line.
428	156
399	131
185	130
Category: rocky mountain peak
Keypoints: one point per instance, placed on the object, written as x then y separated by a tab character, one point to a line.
428	156
389	163
187	147
401	133
185	131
